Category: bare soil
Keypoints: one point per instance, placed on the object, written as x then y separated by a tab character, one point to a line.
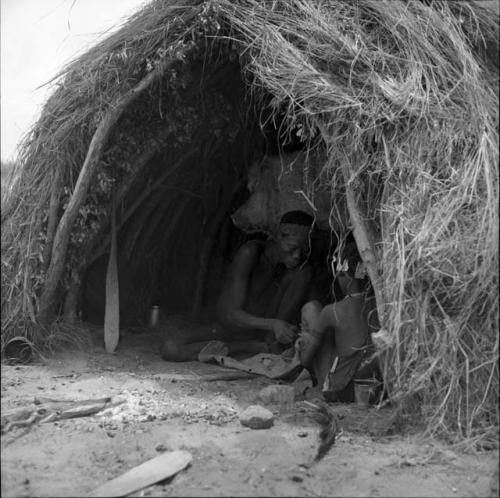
171	406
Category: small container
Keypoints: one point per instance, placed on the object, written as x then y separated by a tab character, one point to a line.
154	316
365	391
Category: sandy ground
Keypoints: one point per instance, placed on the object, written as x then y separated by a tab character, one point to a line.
171	406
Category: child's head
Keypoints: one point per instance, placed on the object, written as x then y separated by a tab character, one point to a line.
350	270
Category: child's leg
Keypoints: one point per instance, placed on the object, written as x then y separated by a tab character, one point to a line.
310	336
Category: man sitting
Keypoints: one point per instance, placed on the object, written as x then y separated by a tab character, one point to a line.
336	338
260	303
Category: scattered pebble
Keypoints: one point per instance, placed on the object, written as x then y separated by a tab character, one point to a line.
296	478
161	448
303	434
257	417
110	434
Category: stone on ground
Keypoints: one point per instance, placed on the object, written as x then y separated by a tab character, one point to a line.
257	417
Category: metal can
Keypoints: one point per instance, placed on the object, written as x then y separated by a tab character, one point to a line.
154	315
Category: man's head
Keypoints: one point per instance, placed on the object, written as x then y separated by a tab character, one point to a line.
292	238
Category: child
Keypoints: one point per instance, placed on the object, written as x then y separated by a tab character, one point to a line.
335	339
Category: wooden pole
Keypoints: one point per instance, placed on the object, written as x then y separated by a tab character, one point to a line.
360	230
364	242
52	216
112	308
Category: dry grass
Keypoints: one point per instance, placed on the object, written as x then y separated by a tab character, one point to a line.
405	97
415	120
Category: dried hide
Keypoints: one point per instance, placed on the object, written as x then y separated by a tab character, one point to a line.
279	184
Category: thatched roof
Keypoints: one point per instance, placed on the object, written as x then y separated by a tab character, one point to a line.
399	99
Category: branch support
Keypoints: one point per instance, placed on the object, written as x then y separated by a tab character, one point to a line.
96	148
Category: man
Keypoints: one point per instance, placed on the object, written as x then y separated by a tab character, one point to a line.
335	339
259	306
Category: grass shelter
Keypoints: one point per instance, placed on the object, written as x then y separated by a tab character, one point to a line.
147	138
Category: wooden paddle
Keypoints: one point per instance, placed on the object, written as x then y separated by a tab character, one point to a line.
112	310
157	469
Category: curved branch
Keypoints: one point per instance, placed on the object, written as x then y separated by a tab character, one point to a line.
364	243
89	167
52	216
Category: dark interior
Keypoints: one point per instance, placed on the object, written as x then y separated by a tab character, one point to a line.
175	246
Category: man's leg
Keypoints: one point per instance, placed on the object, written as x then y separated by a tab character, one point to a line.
175	351
317	348
186	346
291	292
294	289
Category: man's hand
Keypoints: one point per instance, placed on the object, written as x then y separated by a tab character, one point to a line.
284	332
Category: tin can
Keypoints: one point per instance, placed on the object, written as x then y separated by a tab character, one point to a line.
365	391
154	315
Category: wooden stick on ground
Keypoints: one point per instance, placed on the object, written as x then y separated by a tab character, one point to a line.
50	409
157	469
112	307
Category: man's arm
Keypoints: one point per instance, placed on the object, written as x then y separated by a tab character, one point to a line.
234	293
